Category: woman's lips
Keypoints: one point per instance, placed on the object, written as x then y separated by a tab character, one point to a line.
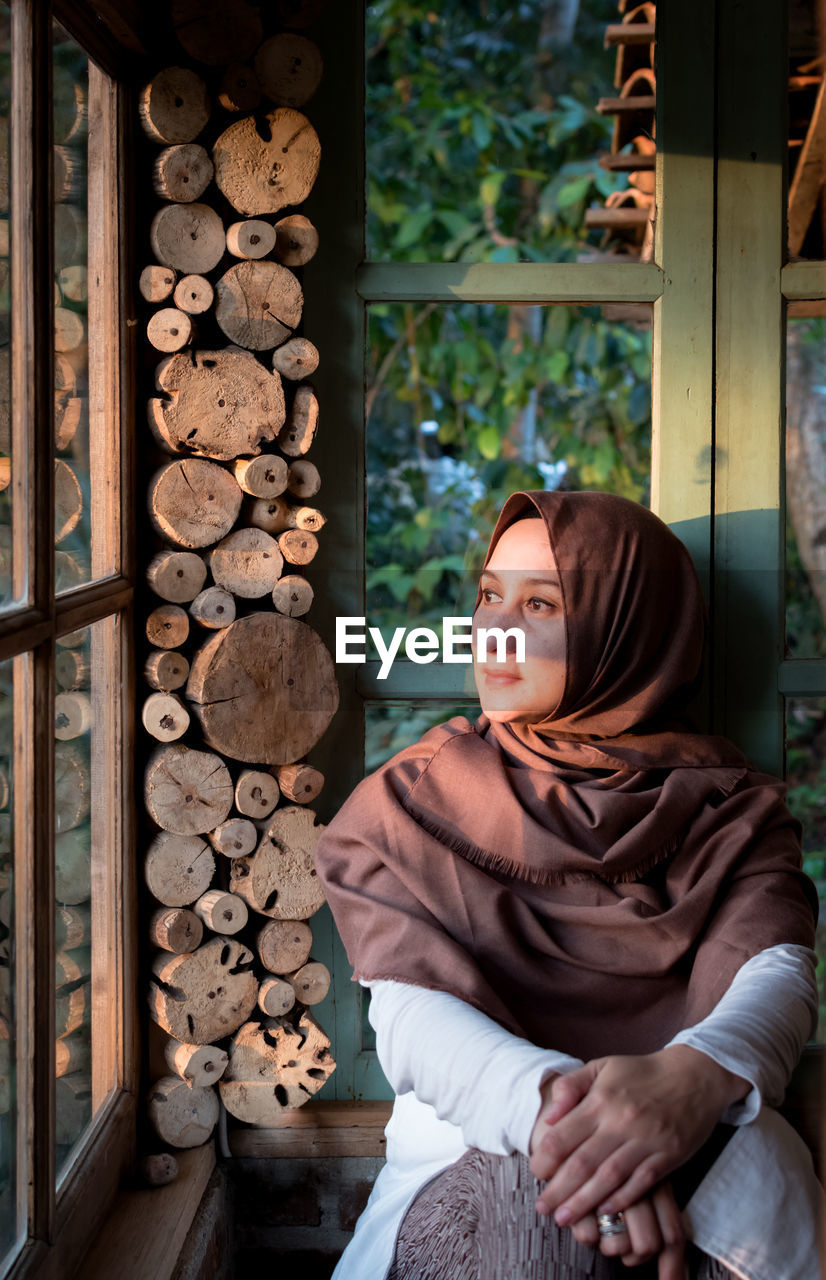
502	677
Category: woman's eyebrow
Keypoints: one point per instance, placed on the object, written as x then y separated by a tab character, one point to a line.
551	581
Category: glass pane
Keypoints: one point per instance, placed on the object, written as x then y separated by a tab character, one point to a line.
12	1179
85	960
807	115
466	404
806	487
484	136
86	459
806	776
389	727
12	492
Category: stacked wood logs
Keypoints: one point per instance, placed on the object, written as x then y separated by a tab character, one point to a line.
628	213
240	688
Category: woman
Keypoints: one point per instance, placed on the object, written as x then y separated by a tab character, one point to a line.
588	941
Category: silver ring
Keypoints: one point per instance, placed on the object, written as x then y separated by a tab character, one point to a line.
611	1224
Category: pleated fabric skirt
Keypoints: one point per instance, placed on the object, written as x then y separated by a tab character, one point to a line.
477	1221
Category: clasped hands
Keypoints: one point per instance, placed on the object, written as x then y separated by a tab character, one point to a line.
607	1136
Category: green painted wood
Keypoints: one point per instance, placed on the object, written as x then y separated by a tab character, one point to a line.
802	678
802	280
749	517
682	340
407	680
517	282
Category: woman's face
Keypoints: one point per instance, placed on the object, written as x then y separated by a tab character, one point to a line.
520	588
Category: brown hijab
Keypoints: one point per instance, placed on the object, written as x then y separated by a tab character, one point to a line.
595	880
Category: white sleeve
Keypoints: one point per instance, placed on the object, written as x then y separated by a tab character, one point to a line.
759	1027
471	1070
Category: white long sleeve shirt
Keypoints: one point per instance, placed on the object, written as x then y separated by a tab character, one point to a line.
463	1081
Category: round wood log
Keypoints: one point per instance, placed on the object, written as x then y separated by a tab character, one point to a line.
303	478
73	789
5	473
156	283
297	546
74	639
178	869
298	13
250	239
264	689
69	175
234	838
176	929
187	792
73	1053
5	791
67	572
256	794
296	359
166	670
296	241
193	502
72	1009
240	90
73	866
274	1065
199	1065
260	175
289	68
280	878
213	608
224	913
292	595
189	237
286	516
194	295
68	500
72	967
216	32
68	412
73	283
267	514
73	1107
170	329
72	715
217	403
176	576
73	925
174	106
182	1117
69	330
70	241
275	997
298	433
257	304
182	173
310	983
300	782
167	626
284	945
164	717
72	670
206	995
262	477
158	1169
247	563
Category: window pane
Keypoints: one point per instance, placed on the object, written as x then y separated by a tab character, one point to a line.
12	1179
466	404
388	727
806	487
86	959
806	776
86	458
807	121
484	137
13	585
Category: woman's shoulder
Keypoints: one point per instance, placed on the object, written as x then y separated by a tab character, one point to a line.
411	761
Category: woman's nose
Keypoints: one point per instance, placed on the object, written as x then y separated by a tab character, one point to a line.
492	643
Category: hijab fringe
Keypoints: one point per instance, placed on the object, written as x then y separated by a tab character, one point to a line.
487	860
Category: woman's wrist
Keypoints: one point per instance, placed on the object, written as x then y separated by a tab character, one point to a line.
716	1081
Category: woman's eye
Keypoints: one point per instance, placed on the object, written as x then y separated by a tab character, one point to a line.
536	605
489	594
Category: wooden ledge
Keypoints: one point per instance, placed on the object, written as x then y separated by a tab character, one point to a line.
144	1234
318	1129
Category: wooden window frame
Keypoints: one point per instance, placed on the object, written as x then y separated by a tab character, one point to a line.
61	1220
708	427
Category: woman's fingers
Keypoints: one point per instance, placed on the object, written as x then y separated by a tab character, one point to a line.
593	1173
585	1231
671	1262
569	1089
641	1240
554	1147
